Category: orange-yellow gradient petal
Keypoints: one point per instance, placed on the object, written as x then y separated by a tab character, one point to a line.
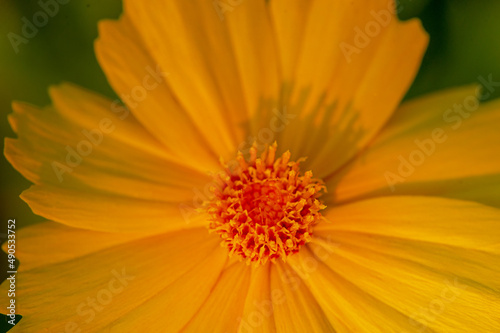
251	73
187	40
348	307
141	82
99	288
258	313
51	243
202	81
299	312
94	170
342	99
444	144
434	260
176	305
221	309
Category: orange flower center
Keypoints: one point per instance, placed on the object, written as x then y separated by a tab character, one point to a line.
264	208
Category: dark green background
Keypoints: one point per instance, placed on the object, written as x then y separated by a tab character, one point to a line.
464	44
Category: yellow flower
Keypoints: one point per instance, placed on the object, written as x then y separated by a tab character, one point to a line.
365	216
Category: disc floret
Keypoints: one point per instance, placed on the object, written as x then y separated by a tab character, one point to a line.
264	208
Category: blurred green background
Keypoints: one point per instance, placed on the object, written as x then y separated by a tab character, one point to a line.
62	50
464	44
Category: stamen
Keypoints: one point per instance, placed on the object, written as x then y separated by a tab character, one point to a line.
265	209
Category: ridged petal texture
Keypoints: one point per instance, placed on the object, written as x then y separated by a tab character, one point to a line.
409	240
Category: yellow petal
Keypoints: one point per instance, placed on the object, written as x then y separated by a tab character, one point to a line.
258	313
80	155
255	51
141	82
188	41
224	306
174	306
429	149
289	21
457	223
296	310
347	307
337	96
432	259
82	141
51	243
91	292
469	264
100	211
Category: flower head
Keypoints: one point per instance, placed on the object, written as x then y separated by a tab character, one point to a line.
405	240
265	209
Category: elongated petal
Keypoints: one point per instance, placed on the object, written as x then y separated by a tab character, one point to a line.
298	311
442	144
141	82
51	243
347	48
103	212
258	313
108	285
175	305
90	166
348	307
225	304
431	260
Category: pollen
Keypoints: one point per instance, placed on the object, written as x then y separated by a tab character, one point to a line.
263	208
